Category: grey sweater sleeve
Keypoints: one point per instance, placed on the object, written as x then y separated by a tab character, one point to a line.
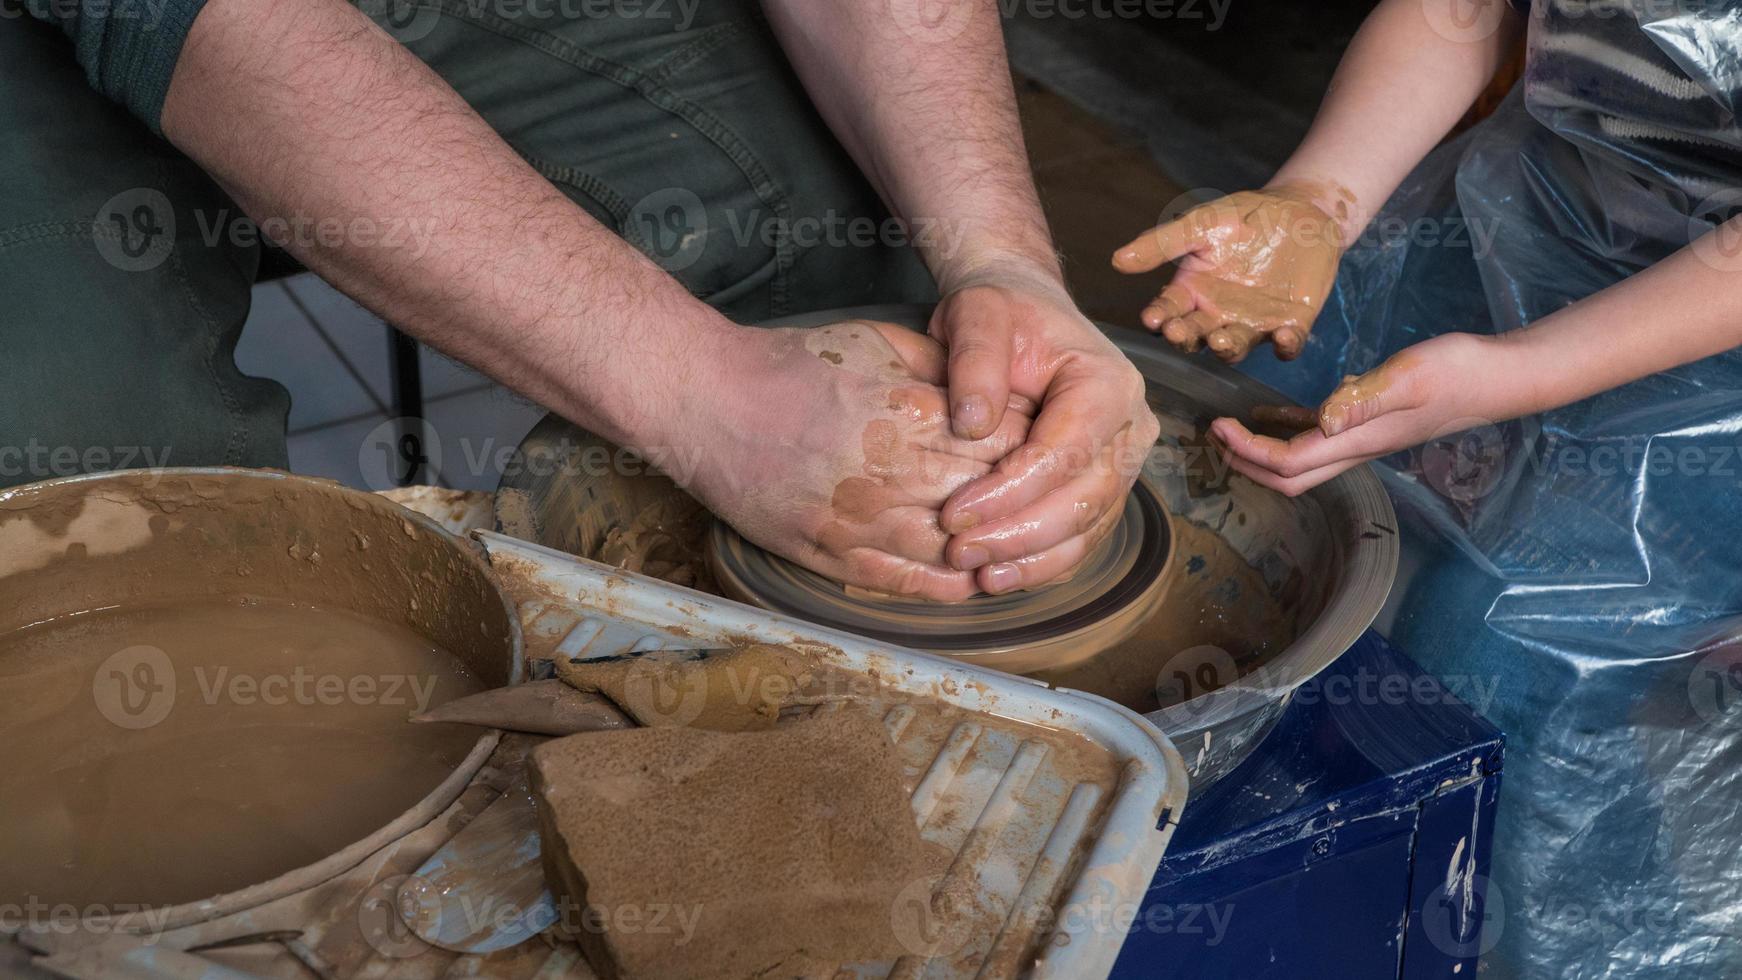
128	48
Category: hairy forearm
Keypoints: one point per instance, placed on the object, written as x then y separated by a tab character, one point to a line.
919	93
1401	87
307	113
1678	311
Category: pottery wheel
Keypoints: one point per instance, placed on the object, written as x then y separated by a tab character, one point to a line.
1109	596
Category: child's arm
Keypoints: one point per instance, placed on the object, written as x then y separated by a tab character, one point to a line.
1409	75
1679	311
1258	264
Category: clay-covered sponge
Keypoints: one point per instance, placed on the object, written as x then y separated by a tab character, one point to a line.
683	853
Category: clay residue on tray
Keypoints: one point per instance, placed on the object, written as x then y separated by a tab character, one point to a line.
963	914
159	754
952	914
775	853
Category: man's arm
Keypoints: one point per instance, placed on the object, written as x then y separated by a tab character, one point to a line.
308	112
919	92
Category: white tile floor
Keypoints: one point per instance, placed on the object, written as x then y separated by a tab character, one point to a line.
335	358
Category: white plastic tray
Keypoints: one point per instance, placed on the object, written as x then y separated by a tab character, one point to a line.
1036	842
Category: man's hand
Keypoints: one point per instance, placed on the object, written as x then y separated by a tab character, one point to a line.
957	165
1252	265
833	448
1448	384
1018	337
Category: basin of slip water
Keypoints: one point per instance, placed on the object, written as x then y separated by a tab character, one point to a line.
207	675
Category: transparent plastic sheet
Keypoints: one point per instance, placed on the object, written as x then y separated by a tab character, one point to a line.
1589	568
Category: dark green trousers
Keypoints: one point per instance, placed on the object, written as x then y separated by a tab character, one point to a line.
680	126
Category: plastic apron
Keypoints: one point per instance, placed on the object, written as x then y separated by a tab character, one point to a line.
1589	560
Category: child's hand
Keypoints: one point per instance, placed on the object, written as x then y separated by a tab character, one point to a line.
1252	265
1453	382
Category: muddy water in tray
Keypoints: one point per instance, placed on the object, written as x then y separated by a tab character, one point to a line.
164	753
